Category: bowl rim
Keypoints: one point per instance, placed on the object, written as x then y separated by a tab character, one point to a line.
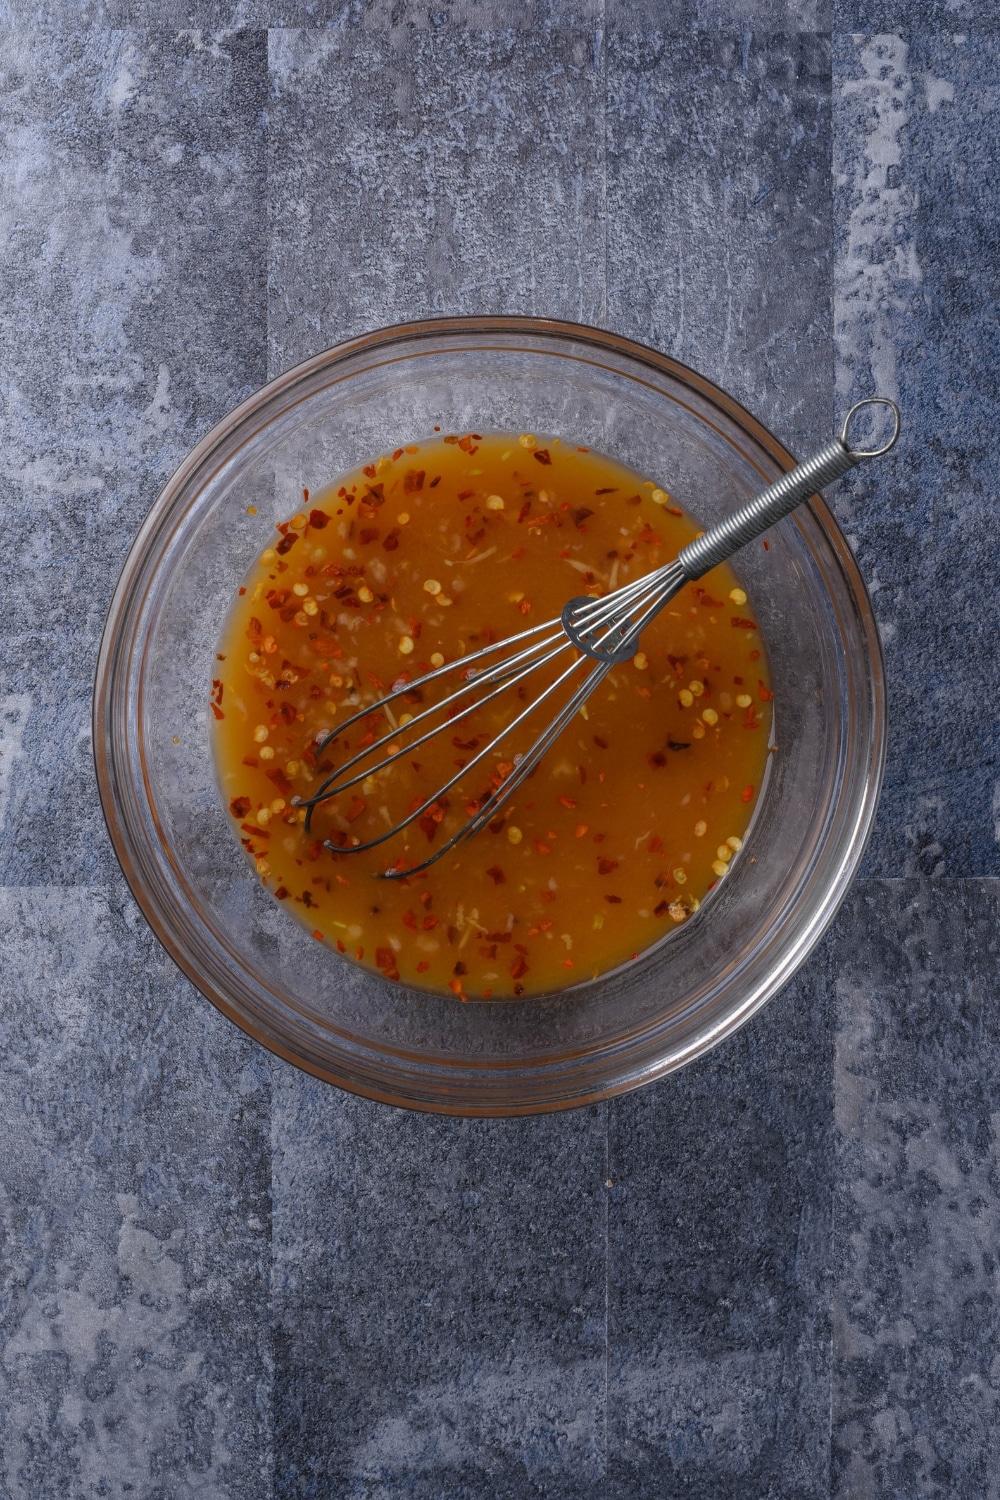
838	879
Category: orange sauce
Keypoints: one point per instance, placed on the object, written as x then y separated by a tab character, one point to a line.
634	814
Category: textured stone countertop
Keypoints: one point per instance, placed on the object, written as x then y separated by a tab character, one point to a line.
772	1275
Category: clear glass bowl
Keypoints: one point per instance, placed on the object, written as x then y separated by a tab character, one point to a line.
157	777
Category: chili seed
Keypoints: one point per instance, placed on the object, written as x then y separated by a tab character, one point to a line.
494	502
514	835
431	586
737	596
261	733
685	698
405	645
700	829
710	716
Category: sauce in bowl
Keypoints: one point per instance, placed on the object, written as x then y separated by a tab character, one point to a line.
634	814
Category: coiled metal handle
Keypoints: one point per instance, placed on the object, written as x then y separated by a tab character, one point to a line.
721	541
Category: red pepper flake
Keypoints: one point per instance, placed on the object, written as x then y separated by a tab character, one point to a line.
614	900
525	606
751	721
429	825
764	692
317	935
496	875
581	514
519	967
429	922
466	495
413	480
582	772
398	454
568	963
287	543
605	866
543	455
239	807
251	760
280	780
767	546
655	844
542	848
460	969
601	744
341	947
368	534
455	985
548	896
611	490
423	966
567	801
468	443
318	519
385	960
217	711
657	759
650	537
755	655
747	794
738	623
662	909
357	807
581	829
709	602
525	511
369	469
242	591
409	920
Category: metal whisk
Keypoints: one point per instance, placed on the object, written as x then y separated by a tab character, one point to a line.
597	633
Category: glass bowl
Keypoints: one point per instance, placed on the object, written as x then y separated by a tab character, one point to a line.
157	777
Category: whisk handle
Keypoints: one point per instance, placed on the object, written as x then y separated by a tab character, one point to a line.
721	541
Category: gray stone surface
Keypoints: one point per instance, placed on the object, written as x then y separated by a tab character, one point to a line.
917	1383
719	215
772	1275
439	1301
134	1214
917	121
132	319
720	1264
